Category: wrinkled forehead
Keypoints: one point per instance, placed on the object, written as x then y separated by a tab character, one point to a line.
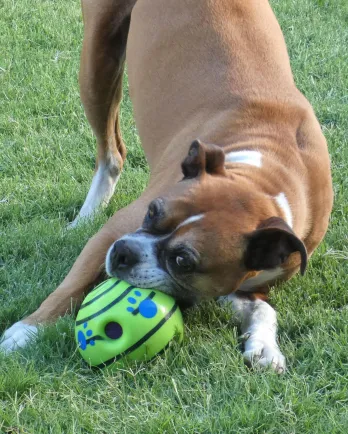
207	230
185	233
171	209
189	197
202	231
214	206
176	224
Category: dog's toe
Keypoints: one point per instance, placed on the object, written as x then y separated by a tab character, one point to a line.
17	336
261	354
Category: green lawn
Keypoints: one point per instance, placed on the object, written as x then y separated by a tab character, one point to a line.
46	165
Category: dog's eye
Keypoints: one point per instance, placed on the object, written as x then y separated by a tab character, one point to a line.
154	210
185	262
151	213
156	220
180	261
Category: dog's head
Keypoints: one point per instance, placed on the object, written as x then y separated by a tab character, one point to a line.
208	235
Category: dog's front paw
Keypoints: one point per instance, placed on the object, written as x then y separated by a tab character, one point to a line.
260	353
17	336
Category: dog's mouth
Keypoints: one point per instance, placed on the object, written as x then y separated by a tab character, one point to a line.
145	277
139	259
148	277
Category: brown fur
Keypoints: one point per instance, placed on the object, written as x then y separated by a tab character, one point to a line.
217	70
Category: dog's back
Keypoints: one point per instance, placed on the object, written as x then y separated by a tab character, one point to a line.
219	70
190	61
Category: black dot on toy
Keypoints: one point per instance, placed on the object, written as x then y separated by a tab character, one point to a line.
113	330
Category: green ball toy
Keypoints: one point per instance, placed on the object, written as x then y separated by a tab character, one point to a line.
119	323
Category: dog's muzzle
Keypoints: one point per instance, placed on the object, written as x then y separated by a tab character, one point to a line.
124	255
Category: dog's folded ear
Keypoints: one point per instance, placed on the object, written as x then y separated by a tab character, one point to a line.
271	245
203	158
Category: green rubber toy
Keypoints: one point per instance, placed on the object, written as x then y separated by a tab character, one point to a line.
118	322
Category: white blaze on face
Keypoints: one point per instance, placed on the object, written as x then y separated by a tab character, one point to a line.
253	158
190	220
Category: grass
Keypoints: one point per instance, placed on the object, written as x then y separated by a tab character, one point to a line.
47	159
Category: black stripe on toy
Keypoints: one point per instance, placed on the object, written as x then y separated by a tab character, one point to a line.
95	338
149	297
100	295
107	307
140	341
160	352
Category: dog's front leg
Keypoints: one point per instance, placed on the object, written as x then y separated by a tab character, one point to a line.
84	273
258	322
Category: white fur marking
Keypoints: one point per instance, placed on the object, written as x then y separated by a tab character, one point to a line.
101	190
262	278
253	158
17	336
191	219
283	202
259	327
108	262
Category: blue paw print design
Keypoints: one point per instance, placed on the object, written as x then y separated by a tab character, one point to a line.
86	339
147	308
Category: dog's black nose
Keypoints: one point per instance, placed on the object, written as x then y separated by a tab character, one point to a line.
124	255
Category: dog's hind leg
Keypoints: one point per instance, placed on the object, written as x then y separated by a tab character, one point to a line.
106	25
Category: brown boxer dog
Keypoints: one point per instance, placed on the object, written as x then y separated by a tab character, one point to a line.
240	191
